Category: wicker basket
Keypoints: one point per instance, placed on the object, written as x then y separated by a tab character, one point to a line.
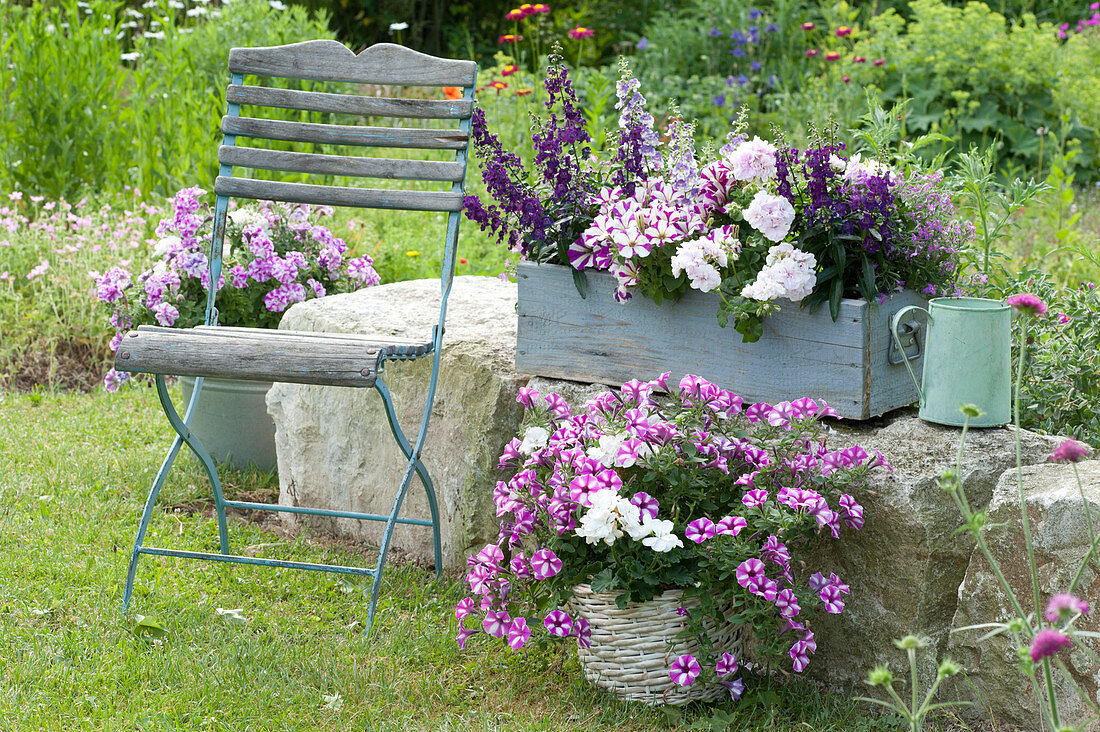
631	653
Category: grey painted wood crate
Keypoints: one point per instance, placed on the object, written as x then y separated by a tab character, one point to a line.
597	340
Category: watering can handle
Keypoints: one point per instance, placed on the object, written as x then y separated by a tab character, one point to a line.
894	322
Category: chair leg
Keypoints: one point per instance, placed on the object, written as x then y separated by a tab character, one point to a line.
183	436
146	515
182	428
421	470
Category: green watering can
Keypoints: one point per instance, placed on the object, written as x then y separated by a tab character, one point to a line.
966	359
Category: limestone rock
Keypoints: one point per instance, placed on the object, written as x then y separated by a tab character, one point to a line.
334	446
904	567
1060	537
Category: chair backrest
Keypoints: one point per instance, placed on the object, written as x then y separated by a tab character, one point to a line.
330	61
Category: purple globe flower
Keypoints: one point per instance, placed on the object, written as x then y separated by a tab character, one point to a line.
1025	302
1065	605
1048	642
1070	451
684	670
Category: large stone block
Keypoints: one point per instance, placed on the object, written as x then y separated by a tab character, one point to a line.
334	445
1060	537
905	566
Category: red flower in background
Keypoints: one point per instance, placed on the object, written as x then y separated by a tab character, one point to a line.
581	32
509	70
510	38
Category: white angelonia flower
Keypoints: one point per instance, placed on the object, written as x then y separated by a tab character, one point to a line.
277	5
533	439
197	11
133	56
837	163
398	27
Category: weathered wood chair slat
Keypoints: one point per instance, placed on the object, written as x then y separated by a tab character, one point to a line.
309	101
318	195
343	165
336	359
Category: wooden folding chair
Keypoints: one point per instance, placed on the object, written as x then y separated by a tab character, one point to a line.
303	357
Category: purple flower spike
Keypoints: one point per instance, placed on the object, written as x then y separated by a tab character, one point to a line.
730	525
1048	642
1067	605
558	623
700	530
545	564
755	498
646	503
496	623
518	634
748	570
736	688
727	664
583	630
464	607
685	670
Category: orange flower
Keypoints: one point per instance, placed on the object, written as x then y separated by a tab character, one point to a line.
463	260
509	70
452	92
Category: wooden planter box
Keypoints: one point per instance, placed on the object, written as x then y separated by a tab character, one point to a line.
851	363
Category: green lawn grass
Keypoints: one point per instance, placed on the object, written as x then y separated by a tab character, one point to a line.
74	469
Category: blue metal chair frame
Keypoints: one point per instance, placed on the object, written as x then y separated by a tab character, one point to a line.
411	449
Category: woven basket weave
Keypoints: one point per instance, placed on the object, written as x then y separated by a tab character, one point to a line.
631	653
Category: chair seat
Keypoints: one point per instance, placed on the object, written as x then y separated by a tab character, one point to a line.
260	354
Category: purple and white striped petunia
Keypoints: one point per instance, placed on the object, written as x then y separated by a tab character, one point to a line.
727	664
583	630
496	623
730	525
736	688
545	564
464	635
755	498
558	623
646	504
748	570
700	530
684	670
518	633
464	607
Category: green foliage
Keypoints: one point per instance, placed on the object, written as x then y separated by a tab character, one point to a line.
95	103
979	78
